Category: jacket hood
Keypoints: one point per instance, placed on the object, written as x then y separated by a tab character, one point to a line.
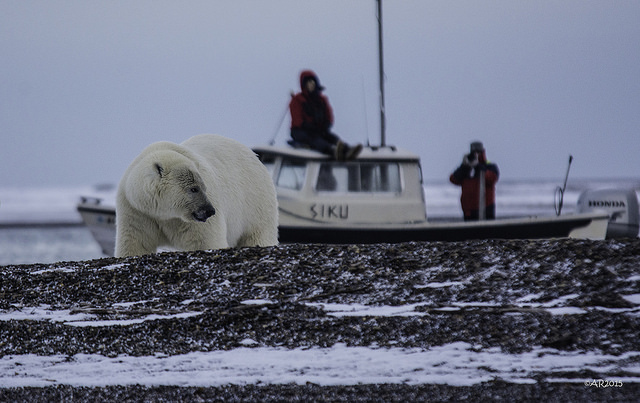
306	75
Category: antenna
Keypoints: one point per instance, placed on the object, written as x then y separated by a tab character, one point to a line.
366	117
280	122
381	71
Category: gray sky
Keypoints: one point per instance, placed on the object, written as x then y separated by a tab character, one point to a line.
86	85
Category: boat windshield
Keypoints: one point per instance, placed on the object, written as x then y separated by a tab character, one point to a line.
292	174
359	177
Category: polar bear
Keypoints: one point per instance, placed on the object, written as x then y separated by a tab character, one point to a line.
209	192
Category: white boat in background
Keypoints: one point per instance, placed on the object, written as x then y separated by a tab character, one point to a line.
100	219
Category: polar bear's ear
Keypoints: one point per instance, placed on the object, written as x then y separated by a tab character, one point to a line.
159	169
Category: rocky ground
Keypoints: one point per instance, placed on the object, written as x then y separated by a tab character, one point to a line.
491	294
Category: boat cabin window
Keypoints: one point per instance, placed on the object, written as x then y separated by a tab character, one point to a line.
292	174
359	177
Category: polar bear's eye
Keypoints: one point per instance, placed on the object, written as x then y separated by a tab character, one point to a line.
194	189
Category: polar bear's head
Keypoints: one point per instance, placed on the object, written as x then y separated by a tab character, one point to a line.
183	194
171	188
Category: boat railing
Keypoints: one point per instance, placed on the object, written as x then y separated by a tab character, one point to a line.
91	200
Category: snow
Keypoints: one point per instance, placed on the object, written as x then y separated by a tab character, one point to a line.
458	364
569	310
43	313
441	284
561	300
530	297
257	302
57	269
342	310
633	298
339	310
114	266
120	322
80	318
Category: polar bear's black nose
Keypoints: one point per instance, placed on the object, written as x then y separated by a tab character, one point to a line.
204	213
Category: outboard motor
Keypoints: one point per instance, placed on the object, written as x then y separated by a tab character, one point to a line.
622	206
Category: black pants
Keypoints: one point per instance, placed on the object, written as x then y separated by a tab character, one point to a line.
489	214
320	141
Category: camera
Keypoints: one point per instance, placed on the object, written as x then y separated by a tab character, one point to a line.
472	157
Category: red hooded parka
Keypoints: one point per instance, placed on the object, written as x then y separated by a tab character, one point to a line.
469	180
310	111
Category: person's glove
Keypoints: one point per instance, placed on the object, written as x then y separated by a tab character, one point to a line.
469	163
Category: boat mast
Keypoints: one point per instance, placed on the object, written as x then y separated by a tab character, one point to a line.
381	72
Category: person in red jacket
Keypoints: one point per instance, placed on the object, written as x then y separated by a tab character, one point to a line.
312	118
468	175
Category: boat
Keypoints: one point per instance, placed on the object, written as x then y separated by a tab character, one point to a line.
100	218
379	198
376	198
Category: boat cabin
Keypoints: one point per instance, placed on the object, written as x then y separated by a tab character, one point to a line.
382	186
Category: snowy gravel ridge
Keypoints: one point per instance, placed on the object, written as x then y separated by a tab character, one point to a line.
507	318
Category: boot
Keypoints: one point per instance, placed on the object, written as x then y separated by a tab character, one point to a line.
353	152
339	151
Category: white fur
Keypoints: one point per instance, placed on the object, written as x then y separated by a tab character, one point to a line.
163	187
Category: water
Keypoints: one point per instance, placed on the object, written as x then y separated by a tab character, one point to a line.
46	245
41	225
59	241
